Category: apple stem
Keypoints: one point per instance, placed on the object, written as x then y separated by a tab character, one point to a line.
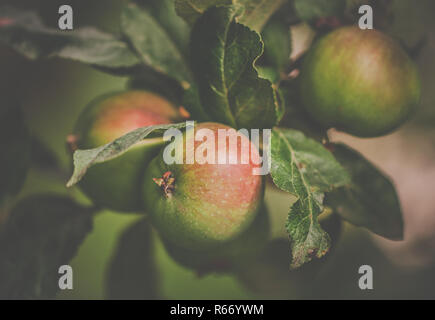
166	183
71	142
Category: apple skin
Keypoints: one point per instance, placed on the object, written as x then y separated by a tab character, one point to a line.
116	184
210	203
360	82
226	257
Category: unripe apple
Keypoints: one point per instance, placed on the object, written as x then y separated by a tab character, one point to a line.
116	184
197	206
228	256
359	81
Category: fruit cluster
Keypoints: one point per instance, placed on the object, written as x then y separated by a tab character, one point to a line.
360	82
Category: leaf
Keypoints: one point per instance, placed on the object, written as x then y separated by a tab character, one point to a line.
268	73
255	13
84	159
277	44
258	12
25	32
164	12
223	57
192	102
191	10
307	237
133	273
153	45
43	233
294	156
15	152
158	51
269	276
309	10
370	200
159	83
304	168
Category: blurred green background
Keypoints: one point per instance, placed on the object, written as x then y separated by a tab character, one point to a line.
53	92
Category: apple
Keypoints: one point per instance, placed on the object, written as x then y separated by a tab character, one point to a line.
360	82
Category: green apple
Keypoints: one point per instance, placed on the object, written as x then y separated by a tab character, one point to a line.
227	256
359	81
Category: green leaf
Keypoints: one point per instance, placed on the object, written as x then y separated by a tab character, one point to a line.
255	13
306	169
84	159
153	45
133	273
258	12
164	12
159	83
25	32
192	103
161	52
15	152
309	10
43	233
277	44
191	10
268	73
294	156
223	57
370	200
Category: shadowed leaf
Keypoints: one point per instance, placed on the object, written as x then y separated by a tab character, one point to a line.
15	152
370	200
153	44
42	233
191	10
164	12
310	10
26	33
133	272
257	12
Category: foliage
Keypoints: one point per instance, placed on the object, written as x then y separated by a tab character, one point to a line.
370	199
222	60
133	273
306	169
42	234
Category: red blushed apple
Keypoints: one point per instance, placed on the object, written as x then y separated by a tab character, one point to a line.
197	206
116	184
